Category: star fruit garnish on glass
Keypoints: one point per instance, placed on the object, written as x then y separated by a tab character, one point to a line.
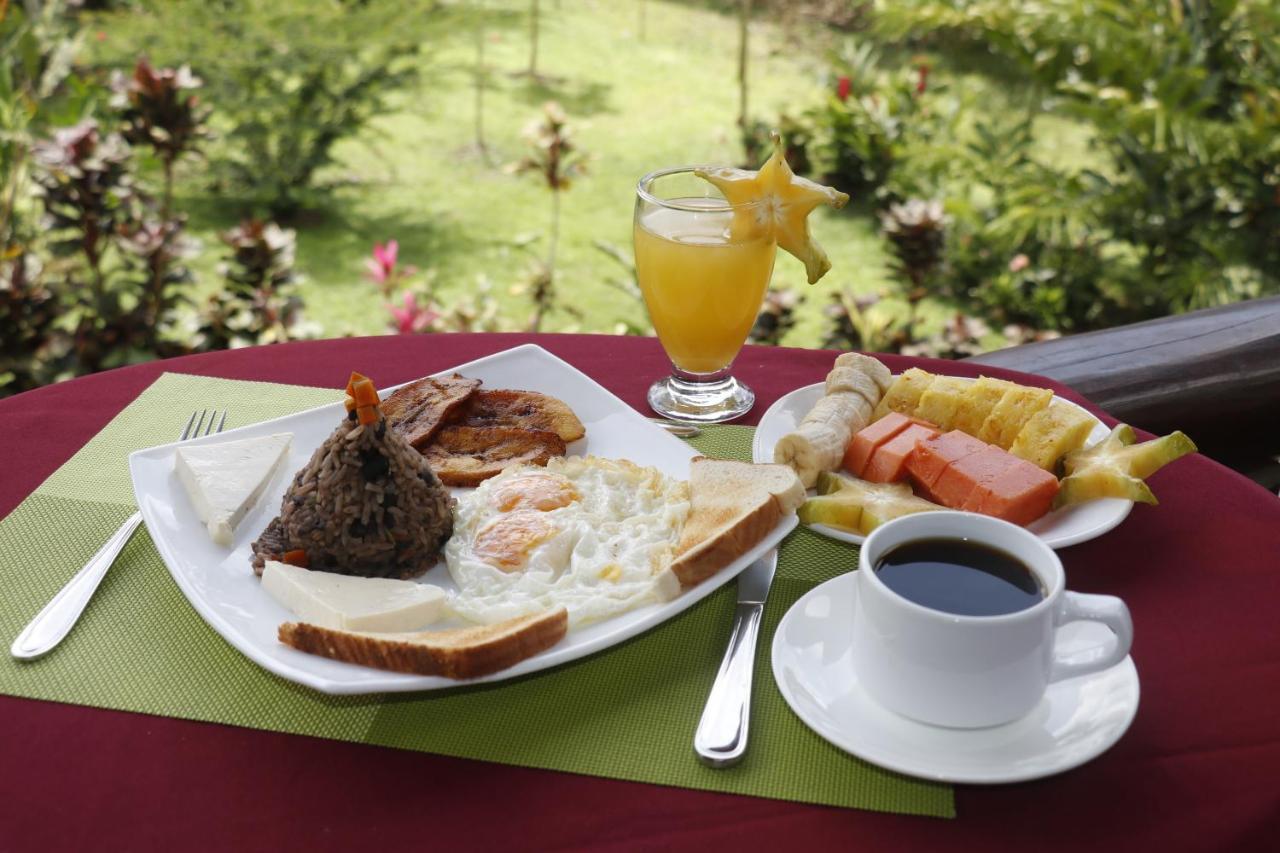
787	202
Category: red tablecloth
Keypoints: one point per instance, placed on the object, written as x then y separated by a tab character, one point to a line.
1199	769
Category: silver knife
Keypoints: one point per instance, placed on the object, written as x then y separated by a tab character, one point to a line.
721	738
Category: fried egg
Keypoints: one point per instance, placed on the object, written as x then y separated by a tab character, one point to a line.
593	535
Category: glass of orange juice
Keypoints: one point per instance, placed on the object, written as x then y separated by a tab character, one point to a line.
703	269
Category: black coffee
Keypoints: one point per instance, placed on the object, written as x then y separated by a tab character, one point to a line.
960	577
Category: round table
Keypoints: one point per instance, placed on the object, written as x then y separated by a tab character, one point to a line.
1199	769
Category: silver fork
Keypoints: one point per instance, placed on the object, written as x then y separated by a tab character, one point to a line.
59	616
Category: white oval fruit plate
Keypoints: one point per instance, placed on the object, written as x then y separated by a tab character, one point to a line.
224	590
1060	528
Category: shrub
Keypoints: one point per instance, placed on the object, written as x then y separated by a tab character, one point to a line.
259	303
1024	245
288	80
1184	113
28	312
39	88
870	121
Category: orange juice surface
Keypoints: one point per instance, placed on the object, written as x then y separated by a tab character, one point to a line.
702	287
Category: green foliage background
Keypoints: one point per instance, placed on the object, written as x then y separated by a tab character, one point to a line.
1099	162
413	173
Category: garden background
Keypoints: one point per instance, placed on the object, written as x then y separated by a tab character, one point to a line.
181	175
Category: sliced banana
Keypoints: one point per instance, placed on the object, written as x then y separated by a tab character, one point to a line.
872	367
834	410
794	449
853	388
854	381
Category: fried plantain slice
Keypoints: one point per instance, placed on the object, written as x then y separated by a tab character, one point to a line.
468	455
417	410
525	409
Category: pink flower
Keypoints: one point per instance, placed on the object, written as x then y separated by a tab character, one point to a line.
386	255
843	85
1018	263
382	265
411	318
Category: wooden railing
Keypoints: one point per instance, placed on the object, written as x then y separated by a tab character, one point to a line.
1214	374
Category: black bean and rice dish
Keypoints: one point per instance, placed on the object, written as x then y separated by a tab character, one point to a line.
366	504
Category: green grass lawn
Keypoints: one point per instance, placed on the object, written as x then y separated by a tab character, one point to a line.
634	104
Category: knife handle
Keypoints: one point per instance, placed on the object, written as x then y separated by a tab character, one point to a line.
721	738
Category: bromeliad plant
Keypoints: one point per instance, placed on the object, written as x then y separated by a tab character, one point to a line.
86	185
557	160
916	230
158	108
259	303
90	200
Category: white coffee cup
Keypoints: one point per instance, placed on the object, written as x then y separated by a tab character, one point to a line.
972	671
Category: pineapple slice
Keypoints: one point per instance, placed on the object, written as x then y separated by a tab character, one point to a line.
904	394
1116	467
1052	433
859	506
786	200
941	401
979	400
1011	414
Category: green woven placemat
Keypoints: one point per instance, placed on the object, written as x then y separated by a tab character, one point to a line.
626	713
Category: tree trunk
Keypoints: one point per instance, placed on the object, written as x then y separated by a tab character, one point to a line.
533	39
480	78
555	231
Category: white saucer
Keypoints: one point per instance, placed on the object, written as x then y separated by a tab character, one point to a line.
1076	721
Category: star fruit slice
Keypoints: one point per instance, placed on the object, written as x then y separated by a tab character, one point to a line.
859	506
1116	467
786	202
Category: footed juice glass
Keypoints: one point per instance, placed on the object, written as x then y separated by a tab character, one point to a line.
703	267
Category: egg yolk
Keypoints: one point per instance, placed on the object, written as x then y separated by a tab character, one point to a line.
506	541
542	492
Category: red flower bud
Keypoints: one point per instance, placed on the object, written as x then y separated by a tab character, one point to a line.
922	82
842	88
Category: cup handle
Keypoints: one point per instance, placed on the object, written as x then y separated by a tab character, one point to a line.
1110	611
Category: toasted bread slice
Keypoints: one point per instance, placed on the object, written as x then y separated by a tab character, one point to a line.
467	456
456	653
417	410
733	505
525	409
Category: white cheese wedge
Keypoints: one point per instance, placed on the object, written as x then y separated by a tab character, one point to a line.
348	603
225	480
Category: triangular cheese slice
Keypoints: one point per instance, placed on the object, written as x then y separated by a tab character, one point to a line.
351	603
225	480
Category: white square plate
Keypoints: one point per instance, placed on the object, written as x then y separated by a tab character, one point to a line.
222	587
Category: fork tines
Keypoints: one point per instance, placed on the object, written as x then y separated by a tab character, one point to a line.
198	421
